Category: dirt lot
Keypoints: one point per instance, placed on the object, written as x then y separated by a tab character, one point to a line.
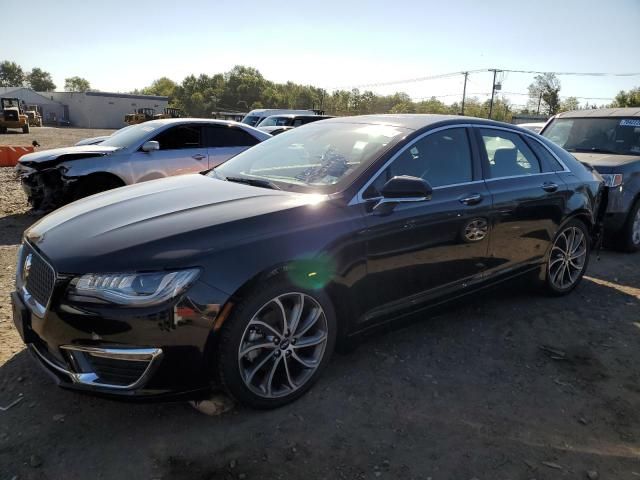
507	385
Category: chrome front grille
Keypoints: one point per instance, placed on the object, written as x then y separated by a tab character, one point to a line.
38	277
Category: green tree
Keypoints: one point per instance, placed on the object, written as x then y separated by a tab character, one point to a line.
545	91
628	99
163	86
40	80
569	104
11	74
76	84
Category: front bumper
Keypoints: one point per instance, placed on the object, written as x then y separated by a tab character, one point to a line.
619	203
125	353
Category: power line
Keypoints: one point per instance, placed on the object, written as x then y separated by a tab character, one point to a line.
454	74
409	80
583	74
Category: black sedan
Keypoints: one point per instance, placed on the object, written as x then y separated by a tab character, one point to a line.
249	277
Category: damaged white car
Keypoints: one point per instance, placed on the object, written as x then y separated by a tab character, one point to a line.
155	149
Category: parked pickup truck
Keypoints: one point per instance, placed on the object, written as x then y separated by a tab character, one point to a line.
608	139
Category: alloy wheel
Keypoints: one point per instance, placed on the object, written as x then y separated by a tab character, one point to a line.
476	230
283	345
568	258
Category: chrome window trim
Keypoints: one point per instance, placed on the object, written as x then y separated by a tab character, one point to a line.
358	198
520	176
531	136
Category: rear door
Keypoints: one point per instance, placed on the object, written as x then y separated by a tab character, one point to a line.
224	142
181	152
527	199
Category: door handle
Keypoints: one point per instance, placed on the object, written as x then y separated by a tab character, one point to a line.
549	186
199	156
472	199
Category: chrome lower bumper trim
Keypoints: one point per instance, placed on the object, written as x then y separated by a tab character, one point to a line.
150	355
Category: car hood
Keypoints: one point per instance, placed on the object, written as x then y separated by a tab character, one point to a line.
92	140
43	156
158	224
605	162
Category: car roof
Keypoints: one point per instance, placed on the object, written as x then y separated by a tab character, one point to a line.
227	123
601	112
415	121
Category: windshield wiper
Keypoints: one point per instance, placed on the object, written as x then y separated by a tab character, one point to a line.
256	182
592	150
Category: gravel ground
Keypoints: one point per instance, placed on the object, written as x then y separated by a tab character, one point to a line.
506	385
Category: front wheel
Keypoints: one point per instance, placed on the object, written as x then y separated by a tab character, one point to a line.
568	258
25	128
276	344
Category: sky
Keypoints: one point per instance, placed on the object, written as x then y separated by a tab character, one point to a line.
122	45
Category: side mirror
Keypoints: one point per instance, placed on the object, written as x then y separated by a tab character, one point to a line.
406	188
402	189
150	146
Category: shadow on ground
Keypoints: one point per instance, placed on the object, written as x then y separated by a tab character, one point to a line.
467	393
13	226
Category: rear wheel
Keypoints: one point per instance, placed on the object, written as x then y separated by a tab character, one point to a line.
630	239
276	344
568	258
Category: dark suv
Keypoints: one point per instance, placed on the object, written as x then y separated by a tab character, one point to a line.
608	139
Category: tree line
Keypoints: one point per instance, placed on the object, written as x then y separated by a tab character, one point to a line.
244	88
12	75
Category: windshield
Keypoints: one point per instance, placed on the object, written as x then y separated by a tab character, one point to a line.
251	120
132	135
606	135
313	157
276	122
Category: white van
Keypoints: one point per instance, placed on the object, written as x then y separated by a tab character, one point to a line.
254	117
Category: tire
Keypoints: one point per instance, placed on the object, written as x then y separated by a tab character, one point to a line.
275	369
3	130
25	128
630	235
568	258
96	184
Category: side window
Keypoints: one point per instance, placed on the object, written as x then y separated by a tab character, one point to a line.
298	121
179	137
508	154
442	158
229	137
549	161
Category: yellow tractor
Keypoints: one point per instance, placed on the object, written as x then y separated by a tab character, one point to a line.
12	116
141	115
35	115
169	112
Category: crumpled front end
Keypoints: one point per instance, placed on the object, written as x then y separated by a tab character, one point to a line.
46	188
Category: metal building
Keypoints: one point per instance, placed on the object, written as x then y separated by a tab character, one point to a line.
105	110
53	112
85	109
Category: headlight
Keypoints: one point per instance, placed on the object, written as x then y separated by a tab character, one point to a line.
132	289
612	179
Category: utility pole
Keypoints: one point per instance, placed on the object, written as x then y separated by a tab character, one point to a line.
464	90
493	89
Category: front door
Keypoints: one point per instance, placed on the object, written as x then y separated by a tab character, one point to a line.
423	249
181	151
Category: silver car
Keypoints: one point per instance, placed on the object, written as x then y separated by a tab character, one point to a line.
147	151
